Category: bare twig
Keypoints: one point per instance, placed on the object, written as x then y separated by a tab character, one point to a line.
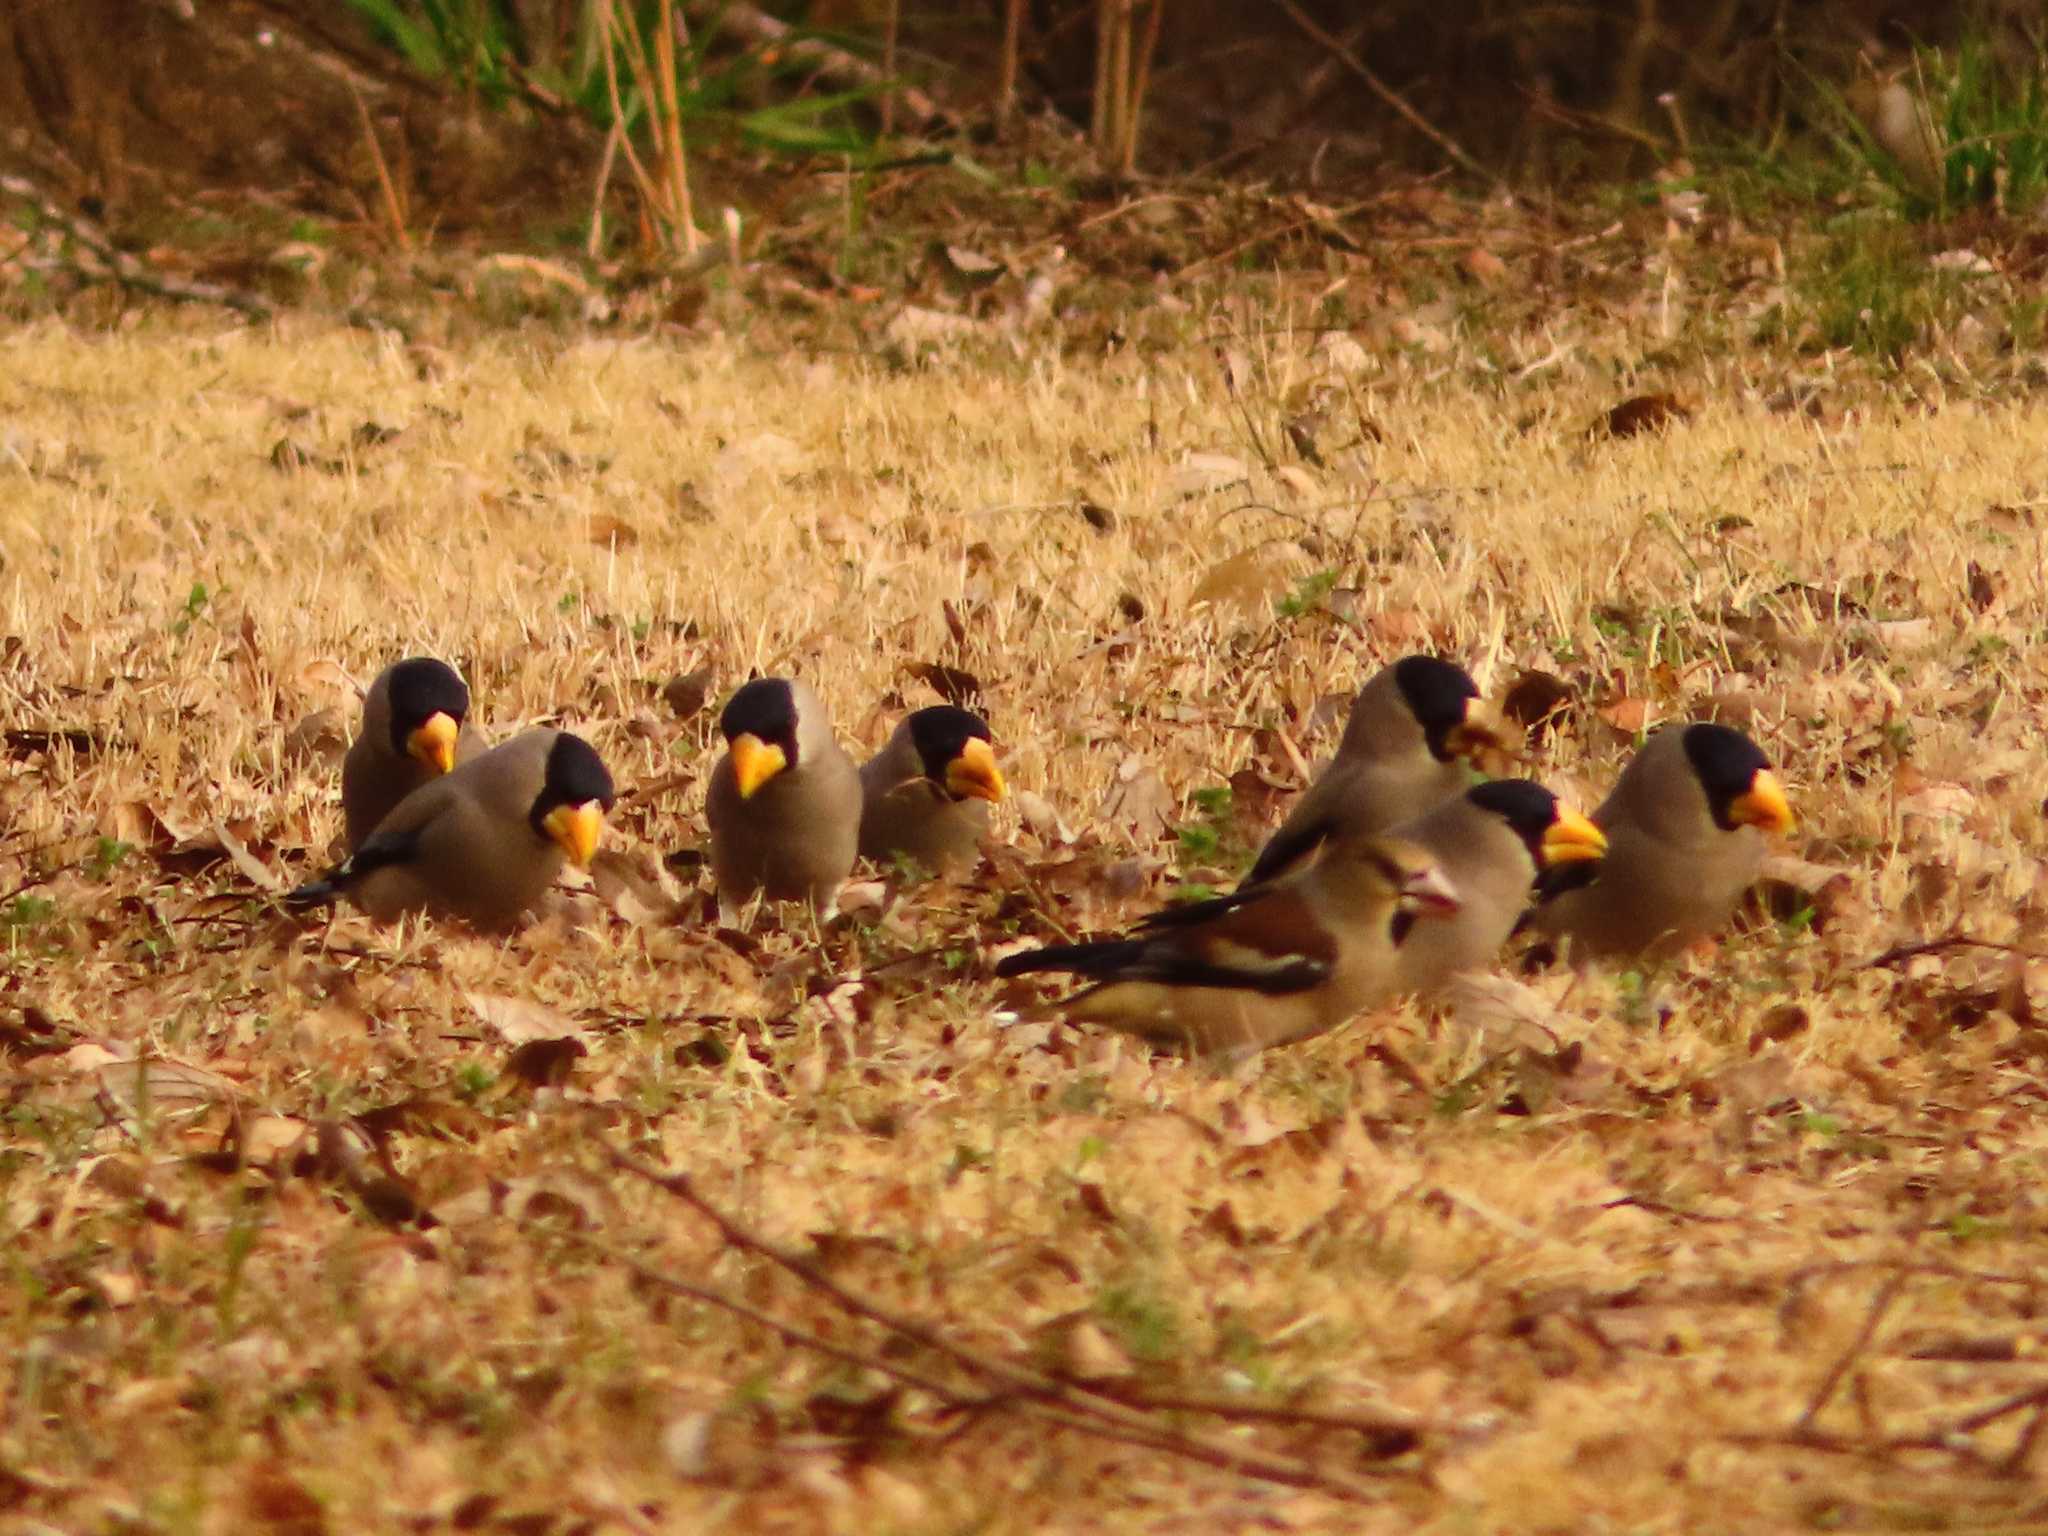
130	273
790	1332
1952	1436
594	245
1013	37
1387	1421
1140	82
1880	1304
1094	1411
1387	93
385	187
892	26
2016	1460
757	26
668	124
125	269
1902	952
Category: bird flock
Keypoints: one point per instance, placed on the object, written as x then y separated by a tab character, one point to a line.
1398	869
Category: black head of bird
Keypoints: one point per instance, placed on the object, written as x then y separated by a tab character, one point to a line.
428	703
759	724
576	794
1555	834
957	753
1736	777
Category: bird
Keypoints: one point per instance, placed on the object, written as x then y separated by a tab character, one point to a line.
482	842
415	728
925	795
785	800
1264	966
1685	827
1492	843
1411	730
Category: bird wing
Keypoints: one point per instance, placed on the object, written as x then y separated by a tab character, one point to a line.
1268	942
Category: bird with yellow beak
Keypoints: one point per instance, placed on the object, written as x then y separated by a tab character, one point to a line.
483	842
415	728
1687	825
925	795
1414	729
1493	843
784	803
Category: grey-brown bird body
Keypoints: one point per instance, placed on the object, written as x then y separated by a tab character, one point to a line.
1685	827
1404	750
925	795
784	803
1266	966
483	842
415	728
1491	843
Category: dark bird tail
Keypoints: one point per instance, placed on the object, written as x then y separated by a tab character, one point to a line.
382	849
1109	957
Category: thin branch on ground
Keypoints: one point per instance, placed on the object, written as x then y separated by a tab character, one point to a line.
758	27
1899	953
125	269
1095	1411
952	1397
1388	94
1880	1304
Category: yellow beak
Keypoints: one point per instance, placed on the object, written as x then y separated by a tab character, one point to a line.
576	828
755	762
1763	805
433	741
1572	839
974	774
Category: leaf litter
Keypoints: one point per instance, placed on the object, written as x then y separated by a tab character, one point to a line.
1747	1241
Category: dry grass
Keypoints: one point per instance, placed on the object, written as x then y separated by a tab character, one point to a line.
1610	1309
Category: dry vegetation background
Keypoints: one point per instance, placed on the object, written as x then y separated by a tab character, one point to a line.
317	1228
326	1227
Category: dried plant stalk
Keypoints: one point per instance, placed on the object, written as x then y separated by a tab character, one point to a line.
1013	36
1123	69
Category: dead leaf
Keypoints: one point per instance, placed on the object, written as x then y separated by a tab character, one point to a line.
1076	1348
1483	267
253	869
603	528
1534	700
1139	799
1248	580
957	687
634	884
864	900
1200	473
278	1502
327	675
915	326
156	1086
1626	714
687	695
518	1020
976	269
1039	817
321	737
1982	587
1645	413
117	1287
273	1139
546	1063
